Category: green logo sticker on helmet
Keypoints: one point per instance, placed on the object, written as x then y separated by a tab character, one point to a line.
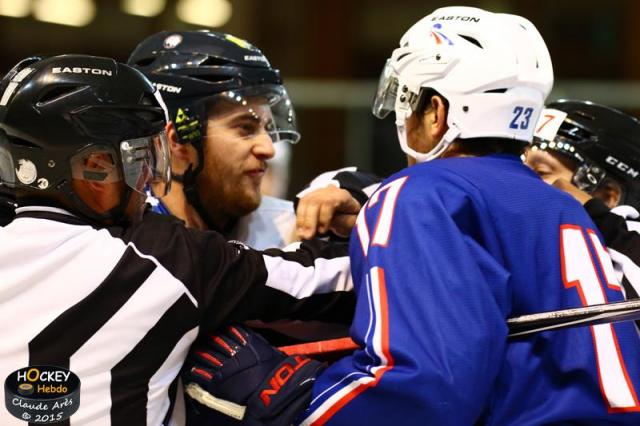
240	42
188	128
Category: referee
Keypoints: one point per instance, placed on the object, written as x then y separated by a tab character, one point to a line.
89	285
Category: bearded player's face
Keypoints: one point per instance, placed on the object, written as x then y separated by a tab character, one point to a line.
236	149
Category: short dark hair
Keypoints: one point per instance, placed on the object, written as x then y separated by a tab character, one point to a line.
478	147
424	100
474	146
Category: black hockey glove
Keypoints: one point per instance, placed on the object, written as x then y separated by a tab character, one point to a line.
237	378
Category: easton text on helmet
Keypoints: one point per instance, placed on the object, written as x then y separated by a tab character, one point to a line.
456	18
81	70
258	58
167	88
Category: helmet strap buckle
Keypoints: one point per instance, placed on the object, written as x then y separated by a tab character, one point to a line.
588	177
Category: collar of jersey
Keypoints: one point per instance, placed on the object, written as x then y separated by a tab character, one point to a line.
26	209
626	211
50	213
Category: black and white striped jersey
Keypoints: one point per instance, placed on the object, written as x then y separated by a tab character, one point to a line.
620	229
120	307
359	184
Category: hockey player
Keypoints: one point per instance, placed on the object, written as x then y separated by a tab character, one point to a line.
593	152
450	247
590	145
228	107
88	287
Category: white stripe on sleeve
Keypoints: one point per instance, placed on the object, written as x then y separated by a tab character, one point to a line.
325	276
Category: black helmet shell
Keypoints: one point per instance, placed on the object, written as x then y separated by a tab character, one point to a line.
186	64
598	135
55	107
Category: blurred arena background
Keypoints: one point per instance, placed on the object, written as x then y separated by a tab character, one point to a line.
331	52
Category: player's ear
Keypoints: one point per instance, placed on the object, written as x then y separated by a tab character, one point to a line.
179	151
172	136
610	193
438	125
182	154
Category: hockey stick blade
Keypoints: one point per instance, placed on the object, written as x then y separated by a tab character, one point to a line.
586	316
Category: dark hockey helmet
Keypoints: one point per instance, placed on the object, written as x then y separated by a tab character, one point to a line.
603	141
194	69
81	118
202	72
7	194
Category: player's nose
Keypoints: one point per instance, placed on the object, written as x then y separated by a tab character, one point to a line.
263	147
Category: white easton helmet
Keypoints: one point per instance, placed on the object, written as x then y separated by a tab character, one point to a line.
494	70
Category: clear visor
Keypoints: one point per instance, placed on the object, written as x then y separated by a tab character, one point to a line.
250	111
145	161
385	99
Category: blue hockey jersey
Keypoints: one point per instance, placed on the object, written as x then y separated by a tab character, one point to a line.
442	254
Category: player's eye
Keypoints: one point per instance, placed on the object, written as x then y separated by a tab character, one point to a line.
247	128
542	171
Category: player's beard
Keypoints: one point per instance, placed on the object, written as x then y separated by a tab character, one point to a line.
227	194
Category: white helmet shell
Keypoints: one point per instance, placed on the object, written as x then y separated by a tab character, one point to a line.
494	70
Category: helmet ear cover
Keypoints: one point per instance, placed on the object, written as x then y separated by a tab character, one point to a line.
188	123
189	119
30	190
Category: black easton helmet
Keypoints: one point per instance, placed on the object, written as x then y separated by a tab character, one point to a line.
197	71
73	118
191	67
603	142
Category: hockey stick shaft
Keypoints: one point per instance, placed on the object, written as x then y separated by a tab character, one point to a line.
586	316
518	326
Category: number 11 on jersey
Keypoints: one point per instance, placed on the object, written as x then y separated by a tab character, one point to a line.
579	271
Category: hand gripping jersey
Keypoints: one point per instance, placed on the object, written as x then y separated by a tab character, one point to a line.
273	223
443	253
120	307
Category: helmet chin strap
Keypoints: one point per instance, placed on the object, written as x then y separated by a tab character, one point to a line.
450	135
115	216
119	211
190	188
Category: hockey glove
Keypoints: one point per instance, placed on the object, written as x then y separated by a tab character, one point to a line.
237	378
